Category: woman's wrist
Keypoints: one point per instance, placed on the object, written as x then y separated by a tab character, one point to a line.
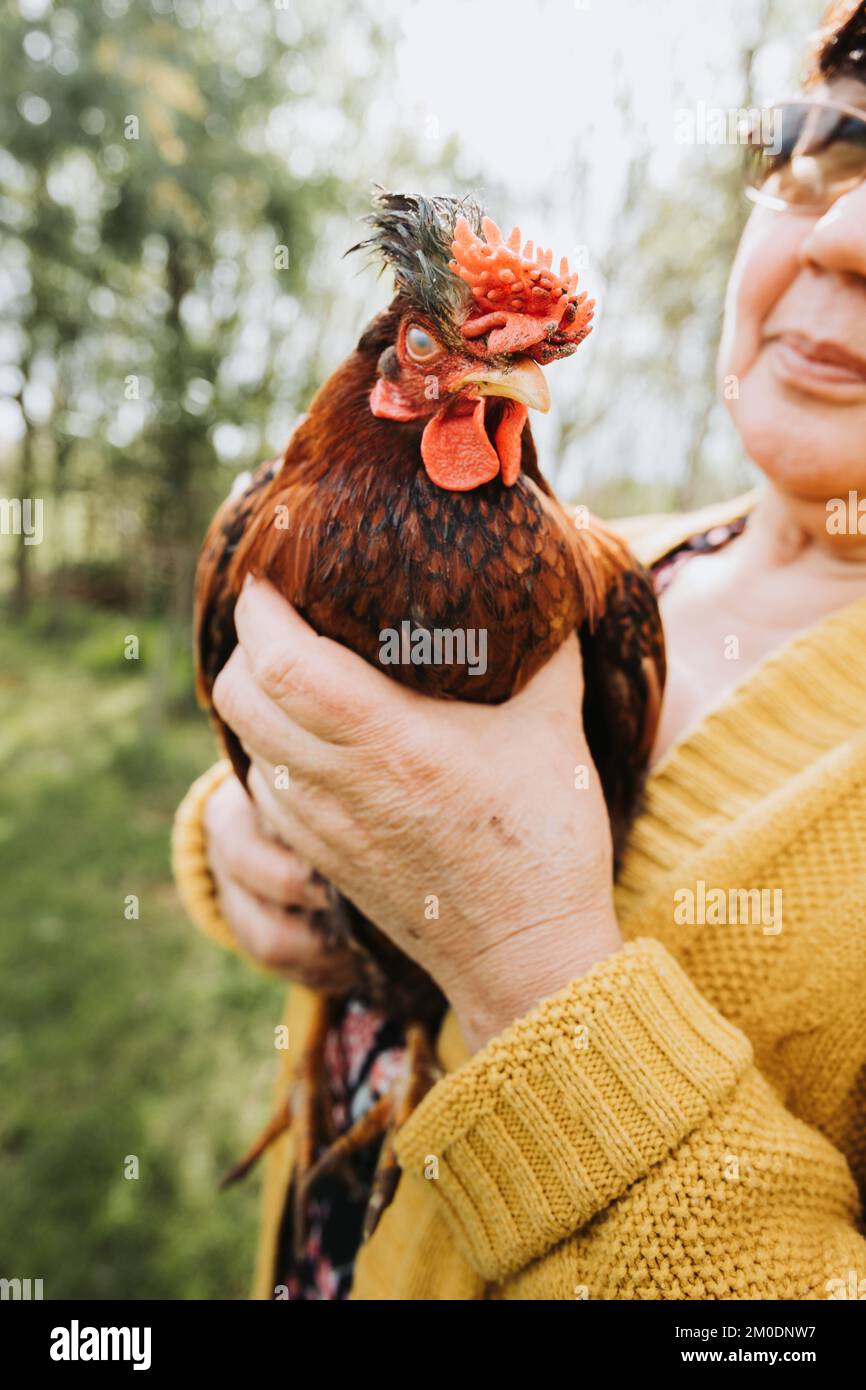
505	983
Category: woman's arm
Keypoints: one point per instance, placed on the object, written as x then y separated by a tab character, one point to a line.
619	1143
616	1140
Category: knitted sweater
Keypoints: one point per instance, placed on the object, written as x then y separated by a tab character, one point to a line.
688	1119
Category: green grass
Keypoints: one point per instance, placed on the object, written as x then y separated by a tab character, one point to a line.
117	1037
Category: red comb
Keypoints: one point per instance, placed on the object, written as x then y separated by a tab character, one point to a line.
517	295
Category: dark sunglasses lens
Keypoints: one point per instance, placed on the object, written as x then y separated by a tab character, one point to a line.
807	155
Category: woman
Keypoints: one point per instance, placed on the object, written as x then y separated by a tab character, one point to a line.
657	1089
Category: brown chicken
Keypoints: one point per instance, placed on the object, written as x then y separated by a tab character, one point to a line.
409	498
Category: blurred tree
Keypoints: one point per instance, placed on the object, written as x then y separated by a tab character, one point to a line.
178	179
167	172
663	263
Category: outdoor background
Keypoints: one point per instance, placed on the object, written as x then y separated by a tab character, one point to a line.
179	180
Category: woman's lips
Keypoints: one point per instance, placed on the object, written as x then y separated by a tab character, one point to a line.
819	368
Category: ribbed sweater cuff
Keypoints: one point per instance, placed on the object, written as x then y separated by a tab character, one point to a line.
189	858
556	1117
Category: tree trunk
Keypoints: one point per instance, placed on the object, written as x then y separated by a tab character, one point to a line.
21	595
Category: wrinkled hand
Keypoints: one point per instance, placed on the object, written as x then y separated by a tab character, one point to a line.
267	894
456	828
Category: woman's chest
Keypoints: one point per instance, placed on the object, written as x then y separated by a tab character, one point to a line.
718	630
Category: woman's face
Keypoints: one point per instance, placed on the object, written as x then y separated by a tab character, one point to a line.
795	341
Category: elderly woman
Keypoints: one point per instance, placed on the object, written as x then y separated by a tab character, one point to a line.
644	1095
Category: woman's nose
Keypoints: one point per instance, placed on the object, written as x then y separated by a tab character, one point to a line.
837	240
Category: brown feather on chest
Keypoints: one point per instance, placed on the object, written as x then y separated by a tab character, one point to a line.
496	561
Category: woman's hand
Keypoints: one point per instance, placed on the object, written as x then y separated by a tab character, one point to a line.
267	893
465	832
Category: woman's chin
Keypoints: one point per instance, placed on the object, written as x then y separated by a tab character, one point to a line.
811	447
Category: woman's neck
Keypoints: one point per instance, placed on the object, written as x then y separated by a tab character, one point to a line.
786	571
784	529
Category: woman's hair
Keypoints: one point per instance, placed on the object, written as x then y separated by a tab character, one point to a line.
839	46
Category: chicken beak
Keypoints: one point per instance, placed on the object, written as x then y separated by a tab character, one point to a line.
524	382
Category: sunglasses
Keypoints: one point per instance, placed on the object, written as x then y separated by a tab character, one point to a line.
803	155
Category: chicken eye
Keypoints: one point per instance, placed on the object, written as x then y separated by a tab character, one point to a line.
421	345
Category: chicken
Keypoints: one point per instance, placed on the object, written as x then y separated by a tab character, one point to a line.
409	499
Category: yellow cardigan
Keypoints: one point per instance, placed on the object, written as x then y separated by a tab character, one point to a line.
688	1119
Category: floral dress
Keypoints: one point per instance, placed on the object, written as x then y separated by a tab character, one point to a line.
363	1055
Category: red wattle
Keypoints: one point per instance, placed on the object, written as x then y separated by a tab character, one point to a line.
507	437
456	451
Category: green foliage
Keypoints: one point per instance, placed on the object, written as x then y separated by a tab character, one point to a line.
166	181
174	176
118	1037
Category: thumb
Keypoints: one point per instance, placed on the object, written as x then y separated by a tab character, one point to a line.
320	684
557	689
